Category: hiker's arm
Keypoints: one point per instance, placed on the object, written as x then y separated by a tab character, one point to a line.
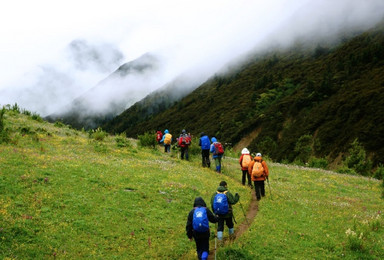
241	159
233	199
188	227
212	218
250	166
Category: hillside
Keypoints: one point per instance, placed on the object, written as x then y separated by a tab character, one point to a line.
333	94
69	194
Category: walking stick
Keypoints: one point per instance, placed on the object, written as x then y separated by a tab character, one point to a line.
269	186
246	219
215	239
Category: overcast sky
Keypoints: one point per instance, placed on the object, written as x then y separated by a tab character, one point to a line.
52	45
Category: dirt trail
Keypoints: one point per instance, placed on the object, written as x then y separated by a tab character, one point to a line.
242	227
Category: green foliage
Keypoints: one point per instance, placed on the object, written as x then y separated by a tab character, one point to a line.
379	173
321	163
303	148
148	139
98	134
122	141
357	159
234	253
267	146
59	124
4	135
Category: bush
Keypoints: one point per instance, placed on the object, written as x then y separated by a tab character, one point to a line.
122	141
318	163
98	134
148	139
3	131
379	173
303	148
357	160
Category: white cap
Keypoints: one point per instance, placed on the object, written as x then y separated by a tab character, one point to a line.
258	155
245	151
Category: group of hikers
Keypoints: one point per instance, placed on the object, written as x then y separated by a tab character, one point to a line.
208	146
254	169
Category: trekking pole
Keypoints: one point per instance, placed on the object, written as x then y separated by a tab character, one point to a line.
215	239
246	219
269	186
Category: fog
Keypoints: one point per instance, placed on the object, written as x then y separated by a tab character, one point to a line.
52	53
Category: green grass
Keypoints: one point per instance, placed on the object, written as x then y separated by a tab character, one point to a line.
66	195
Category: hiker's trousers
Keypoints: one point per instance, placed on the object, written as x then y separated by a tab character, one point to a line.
246	175
205	158
228	221
259	189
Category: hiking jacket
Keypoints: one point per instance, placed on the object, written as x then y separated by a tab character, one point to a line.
199	202
166	133
266	171
159	136
213	150
231	200
205	143
180	140
241	161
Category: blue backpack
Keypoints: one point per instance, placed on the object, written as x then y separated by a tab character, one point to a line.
205	143
220	204
200	220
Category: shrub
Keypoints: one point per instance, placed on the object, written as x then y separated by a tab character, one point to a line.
357	160
3	130
98	134
318	163
122	141
379	173
148	139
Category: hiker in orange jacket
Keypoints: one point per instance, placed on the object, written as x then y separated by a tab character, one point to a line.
259	172
244	161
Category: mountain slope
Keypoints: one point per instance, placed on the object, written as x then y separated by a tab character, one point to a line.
333	94
112	95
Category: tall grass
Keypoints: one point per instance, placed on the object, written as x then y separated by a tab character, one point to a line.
60	197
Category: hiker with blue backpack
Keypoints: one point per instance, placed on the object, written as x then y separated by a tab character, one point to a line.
222	201
205	145
217	151
198	227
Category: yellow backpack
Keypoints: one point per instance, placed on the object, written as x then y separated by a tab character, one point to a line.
258	169
246	160
167	139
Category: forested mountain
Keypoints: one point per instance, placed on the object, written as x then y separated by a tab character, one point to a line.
326	96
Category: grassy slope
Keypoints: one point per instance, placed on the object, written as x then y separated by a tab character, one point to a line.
65	195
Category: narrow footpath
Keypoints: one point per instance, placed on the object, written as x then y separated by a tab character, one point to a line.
242	227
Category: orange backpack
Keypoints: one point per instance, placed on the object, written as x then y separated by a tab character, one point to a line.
246	160
258	169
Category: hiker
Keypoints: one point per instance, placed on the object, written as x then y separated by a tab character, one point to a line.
166	140
184	141
222	201
244	161
217	151
205	146
159	136
198	227
259	172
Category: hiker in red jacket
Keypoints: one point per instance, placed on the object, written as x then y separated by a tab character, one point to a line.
244	161
159	136
259	173
184	142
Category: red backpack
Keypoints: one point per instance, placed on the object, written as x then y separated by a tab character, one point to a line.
219	149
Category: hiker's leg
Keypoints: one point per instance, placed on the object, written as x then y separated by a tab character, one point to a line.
249	179
219	162
262	188
220	228
243	179
200	247
257	190
182	150
186	153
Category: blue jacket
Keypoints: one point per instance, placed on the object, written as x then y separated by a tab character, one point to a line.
205	143
212	150
165	132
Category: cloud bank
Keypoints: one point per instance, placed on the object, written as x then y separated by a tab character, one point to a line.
55	52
